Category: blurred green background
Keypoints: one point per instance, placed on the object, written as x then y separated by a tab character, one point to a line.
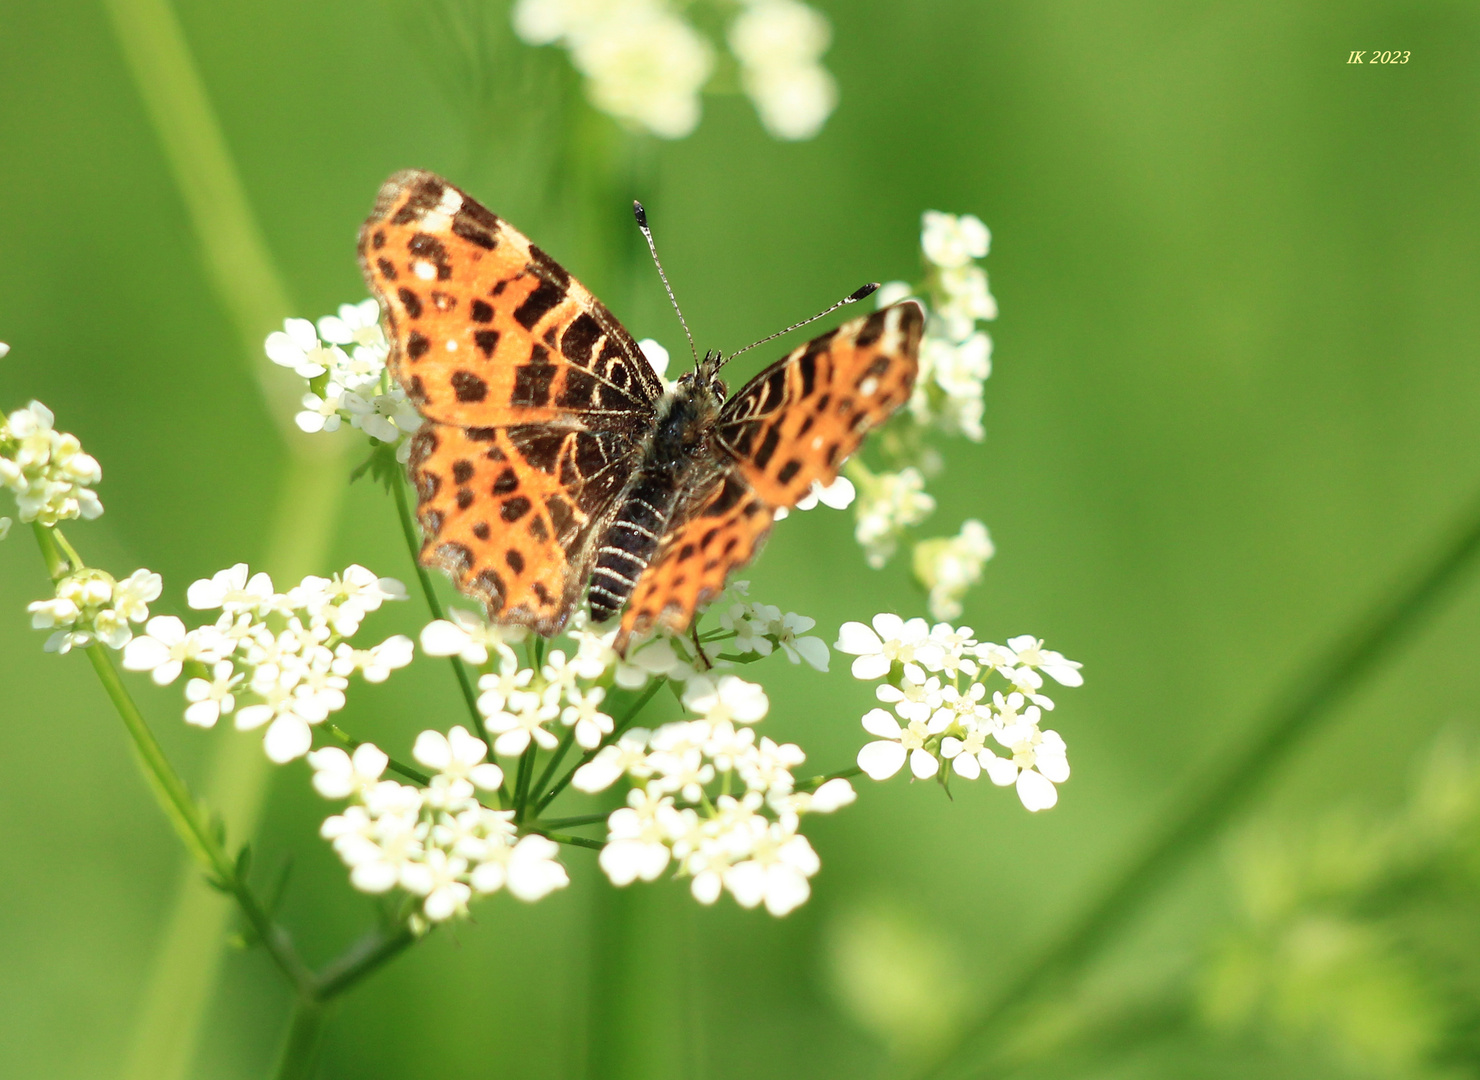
1235	400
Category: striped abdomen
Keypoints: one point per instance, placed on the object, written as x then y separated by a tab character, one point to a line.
631	540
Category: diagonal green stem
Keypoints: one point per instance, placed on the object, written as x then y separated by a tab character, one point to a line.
359	960
408	532
1213	800
554	763
623	725
416	776
174	798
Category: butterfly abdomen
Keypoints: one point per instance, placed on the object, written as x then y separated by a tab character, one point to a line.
631	539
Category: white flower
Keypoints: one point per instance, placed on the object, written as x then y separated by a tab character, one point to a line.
730	699
637	837
166	647
883	758
627	754
458	755
376	663
337	775
1030	652
890	503
951	241
436	876
656	657
521	720
949	566
213	698
778	43
838	495
504	688
470	637
890	640
793	102
963	298
645	66
356	324
46	470
5	522
297	346
321	413
584	713
776	873
233	592
529	869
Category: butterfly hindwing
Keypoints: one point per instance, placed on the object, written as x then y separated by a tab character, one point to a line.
723	529
533	395
796	422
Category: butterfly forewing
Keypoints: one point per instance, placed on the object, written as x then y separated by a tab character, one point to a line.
796	422
791	426
536	399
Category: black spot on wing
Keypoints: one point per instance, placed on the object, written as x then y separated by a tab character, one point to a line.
468	387
538	304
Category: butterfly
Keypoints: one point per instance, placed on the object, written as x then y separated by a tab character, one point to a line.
552	461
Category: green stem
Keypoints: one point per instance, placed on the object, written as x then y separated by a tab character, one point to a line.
1214	799
554	763
573	841
362	958
817	781
341	737
521	786
568	822
301	1048
408	532
626	721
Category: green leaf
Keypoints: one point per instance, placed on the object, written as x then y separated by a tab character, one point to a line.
381	465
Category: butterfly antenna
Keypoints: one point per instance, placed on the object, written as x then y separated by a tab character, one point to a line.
647	233
851	298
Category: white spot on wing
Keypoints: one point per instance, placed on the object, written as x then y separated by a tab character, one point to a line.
425	270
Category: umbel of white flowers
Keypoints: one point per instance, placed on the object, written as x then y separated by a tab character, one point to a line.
645	64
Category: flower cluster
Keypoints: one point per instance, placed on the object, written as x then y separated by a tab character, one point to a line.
436	841
779	44
90	606
955	354
646	64
955	360
343	359
276	660
949	566
715	799
45	469
944	714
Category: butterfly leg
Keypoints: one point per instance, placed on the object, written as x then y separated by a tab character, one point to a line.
699	648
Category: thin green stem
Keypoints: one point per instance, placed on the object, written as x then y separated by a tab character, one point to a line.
817	781
622	725
568	822
572	841
521	786
71	552
340	736
554	763
301	1048
1213	800
408	532
359	960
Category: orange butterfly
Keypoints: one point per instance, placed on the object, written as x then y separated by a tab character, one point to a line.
552	460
